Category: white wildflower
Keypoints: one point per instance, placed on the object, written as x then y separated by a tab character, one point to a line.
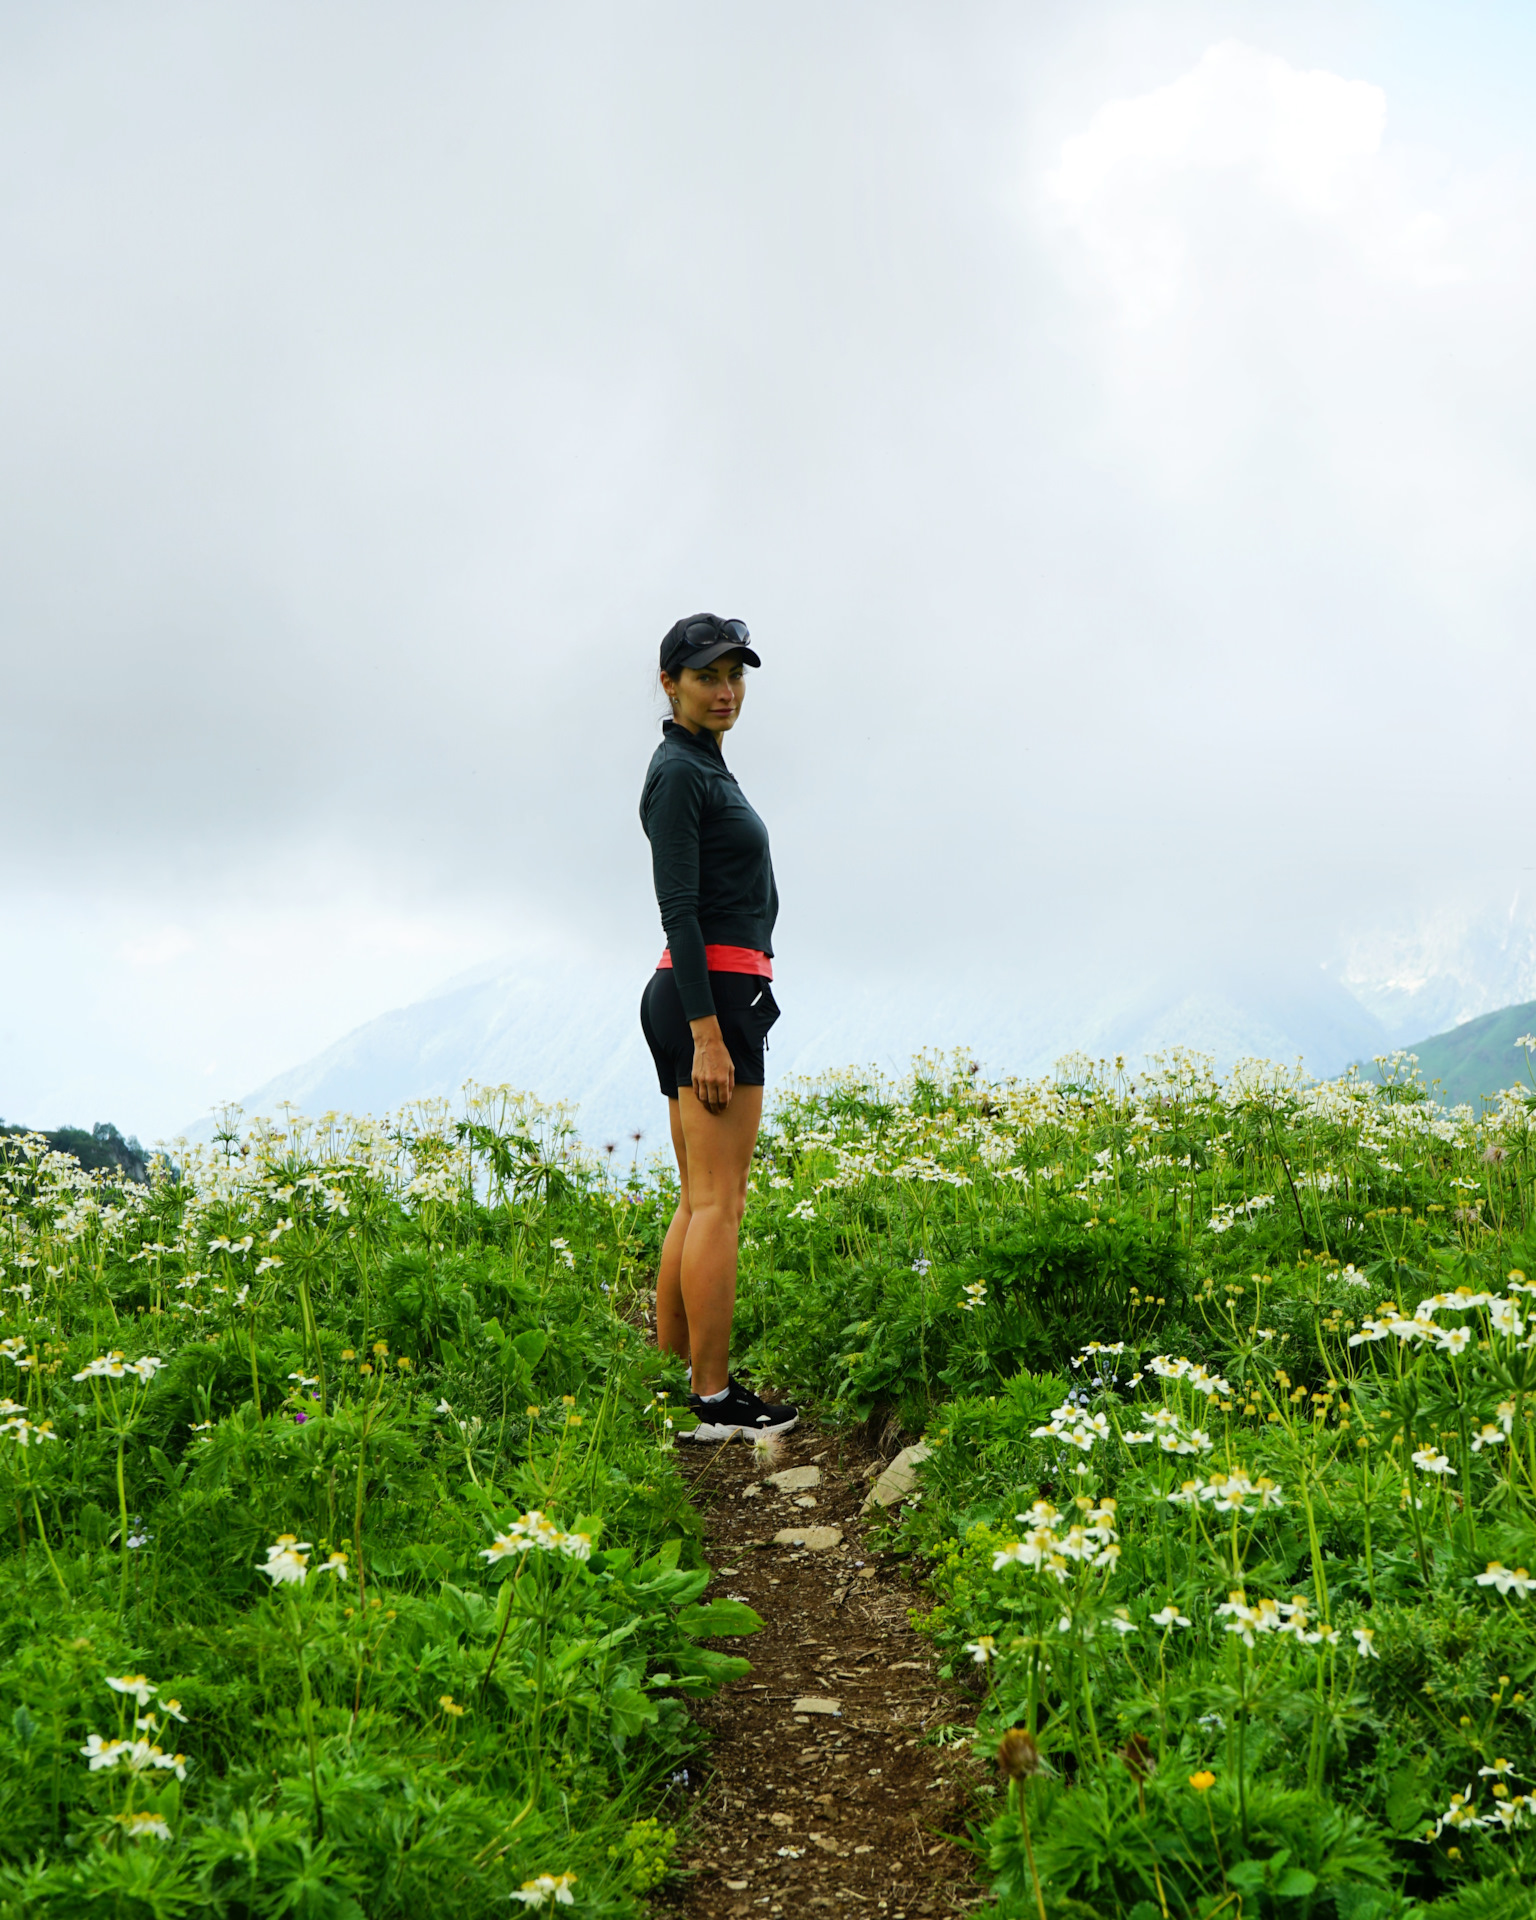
556	1887
132	1683
1498	1575
287	1561
143	1826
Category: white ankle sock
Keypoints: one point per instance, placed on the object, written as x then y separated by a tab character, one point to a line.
709	1399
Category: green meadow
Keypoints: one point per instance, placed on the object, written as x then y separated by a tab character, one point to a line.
1229	1390
348	1569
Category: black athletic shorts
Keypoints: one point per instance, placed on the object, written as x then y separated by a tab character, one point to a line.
745	1005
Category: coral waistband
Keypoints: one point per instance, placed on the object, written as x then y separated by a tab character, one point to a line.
729	960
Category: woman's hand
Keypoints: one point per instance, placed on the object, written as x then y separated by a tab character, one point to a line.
714	1072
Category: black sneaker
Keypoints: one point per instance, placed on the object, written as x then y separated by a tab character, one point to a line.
740	1412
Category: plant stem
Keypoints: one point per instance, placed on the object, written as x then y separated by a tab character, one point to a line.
42	1534
122	1520
250	1330
1022	1788
506	1621
309	1719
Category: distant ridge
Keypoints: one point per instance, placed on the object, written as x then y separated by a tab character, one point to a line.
1478	1059
567	1029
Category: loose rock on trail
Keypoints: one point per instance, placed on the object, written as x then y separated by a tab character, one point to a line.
821	1791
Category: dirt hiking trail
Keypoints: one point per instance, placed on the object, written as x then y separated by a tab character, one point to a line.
819	1790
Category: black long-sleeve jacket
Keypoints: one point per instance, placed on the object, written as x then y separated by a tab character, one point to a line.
709	854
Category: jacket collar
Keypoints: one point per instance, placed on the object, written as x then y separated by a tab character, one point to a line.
702	742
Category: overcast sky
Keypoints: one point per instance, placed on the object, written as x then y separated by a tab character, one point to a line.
1117	424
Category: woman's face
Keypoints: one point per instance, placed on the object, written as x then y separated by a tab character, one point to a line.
708	698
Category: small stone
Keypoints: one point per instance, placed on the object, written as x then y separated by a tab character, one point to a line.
839	1595
827	1846
899	1478
817	1539
863	1849
751	1493
727	1573
795	1479
736	1886
868	1573
805	1500
814	1703
780	1820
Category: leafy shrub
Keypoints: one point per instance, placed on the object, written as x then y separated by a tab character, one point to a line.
364	1581
1230	1391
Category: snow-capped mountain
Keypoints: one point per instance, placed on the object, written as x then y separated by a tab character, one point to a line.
572	1032
1446	965
568	1029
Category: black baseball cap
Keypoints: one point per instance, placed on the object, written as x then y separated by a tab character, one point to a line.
701	638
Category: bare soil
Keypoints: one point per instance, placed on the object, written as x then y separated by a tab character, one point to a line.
857	1811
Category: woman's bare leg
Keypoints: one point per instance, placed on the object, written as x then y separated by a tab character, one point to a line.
718	1158
671	1320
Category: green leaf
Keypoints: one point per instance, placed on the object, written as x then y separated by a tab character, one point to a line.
1295	1882
1405	1799
620	1634
676	1588
530	1346
171	1475
611	1560
94	1524
705	1664
664	1559
719	1617
630	1710
1364	1903
469	1608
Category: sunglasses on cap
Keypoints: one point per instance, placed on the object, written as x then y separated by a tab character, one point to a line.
715	630
703	639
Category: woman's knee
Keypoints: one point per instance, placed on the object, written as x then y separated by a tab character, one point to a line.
726	1207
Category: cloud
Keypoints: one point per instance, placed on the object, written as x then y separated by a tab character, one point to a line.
1286	307
156	947
1122	453
1301	144
110	1013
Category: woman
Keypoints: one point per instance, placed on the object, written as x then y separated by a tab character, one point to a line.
708	1007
